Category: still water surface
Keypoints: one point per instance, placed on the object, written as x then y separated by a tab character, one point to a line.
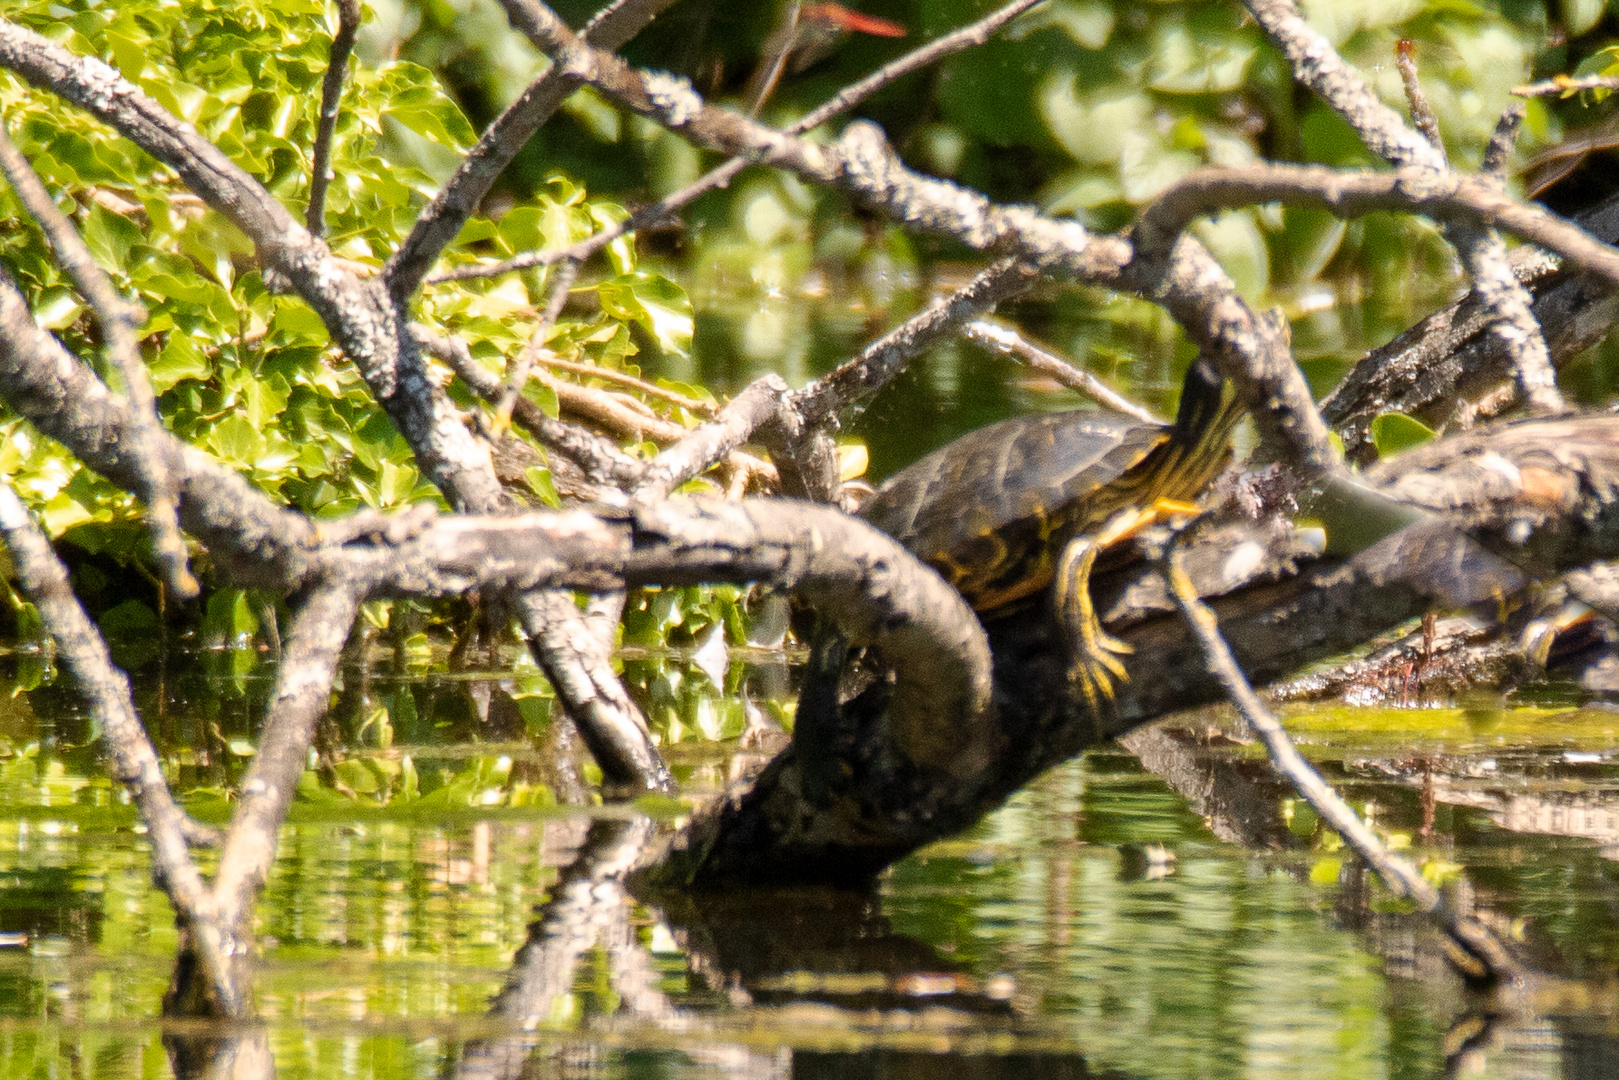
1110	922
1096	926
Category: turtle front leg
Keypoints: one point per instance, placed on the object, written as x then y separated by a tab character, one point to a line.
1094	663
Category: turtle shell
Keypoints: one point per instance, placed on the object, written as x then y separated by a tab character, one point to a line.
991	510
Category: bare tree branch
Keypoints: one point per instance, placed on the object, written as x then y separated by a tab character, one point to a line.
119	319
498	145
1318	66
331	100
1567	85
956	41
1353	194
364	318
560	281
1251	351
759	403
1498	153
600	458
854	382
252	539
1002	338
1405	58
1445	370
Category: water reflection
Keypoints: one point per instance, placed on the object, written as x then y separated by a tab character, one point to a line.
1108	922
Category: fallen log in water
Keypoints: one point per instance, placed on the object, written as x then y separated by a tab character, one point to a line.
1513	503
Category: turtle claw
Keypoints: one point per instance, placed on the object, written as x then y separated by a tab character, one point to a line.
1095	664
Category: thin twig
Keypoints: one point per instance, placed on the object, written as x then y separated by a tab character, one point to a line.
1567	85
640	386
967	37
1489	958
557	294
331	98
855	381
458	199
1498	152
1352	194
119	320
1249	349
600	458
1318	66
998	337
759	403
1405	58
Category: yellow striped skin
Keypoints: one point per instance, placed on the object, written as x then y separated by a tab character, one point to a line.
993	510
1003	510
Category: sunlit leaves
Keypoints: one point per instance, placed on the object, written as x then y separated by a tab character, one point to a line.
653	302
248	376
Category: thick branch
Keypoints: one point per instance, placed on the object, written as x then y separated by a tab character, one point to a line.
1545	494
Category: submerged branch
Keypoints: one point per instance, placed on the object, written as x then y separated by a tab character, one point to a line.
1488	957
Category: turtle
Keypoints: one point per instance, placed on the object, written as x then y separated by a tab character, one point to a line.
1010	509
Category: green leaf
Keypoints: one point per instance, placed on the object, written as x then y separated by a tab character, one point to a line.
1394	432
1326	870
539	481
62	512
659	305
298	322
179	360
57	309
1192	59
418	104
229	621
1581	15
236	441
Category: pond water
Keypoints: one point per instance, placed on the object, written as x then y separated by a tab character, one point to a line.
1102	924
434	913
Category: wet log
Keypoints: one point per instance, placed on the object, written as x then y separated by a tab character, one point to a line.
1512	503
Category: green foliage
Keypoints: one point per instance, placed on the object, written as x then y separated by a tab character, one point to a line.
249	376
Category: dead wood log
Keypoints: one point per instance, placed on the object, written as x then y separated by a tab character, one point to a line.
1520	501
